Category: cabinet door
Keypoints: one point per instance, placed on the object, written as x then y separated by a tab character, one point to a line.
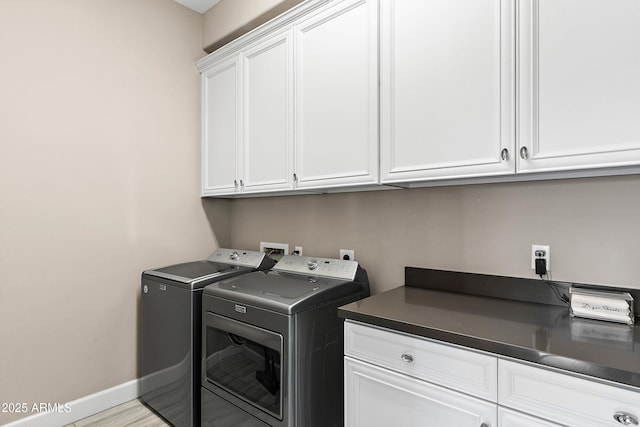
221	127
377	397
507	418
564	398
447	89
268	156
336	96
579	88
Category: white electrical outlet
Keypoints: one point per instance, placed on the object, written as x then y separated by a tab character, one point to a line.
297	250
348	254
547	255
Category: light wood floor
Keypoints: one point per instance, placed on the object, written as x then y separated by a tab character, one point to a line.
129	414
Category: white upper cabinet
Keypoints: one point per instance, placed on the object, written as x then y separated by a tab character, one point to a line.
294	104
336	82
579	91
221	127
348	94
447	89
247	118
268	99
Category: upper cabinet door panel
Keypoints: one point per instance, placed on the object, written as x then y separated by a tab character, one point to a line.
447	80
268	115
579	86
221	127
336	96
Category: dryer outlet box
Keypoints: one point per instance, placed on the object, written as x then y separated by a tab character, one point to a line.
273	250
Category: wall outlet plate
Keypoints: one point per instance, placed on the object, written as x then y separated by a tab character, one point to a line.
347	254
547	255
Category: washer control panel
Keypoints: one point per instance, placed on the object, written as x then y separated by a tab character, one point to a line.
315	266
237	257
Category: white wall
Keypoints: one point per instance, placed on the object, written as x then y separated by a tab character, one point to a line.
591	224
99	180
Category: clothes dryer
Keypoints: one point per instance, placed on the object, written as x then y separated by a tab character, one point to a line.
273	344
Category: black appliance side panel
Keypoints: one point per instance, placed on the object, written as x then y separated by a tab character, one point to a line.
166	356
319	375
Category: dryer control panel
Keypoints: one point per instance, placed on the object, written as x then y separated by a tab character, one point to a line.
237	257
315	266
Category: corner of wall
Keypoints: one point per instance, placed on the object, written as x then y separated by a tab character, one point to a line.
230	19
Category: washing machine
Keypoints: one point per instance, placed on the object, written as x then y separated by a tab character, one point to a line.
273	344
170	330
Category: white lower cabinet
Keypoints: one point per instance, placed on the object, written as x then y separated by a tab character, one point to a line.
509	418
378	397
393	378
398	379
565	399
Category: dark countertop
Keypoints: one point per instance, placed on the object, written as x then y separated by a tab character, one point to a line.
540	333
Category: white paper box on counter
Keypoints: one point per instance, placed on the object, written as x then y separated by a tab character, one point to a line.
602	305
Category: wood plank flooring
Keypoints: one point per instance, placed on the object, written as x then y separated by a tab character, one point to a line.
129	414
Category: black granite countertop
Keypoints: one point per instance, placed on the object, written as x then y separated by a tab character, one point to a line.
531	331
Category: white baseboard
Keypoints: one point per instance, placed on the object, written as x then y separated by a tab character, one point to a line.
81	408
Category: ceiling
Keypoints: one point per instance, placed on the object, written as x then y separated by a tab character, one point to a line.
200	6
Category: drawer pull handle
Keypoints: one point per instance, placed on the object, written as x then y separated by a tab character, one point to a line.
407	358
625	419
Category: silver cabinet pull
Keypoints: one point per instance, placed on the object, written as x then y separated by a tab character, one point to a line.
235	183
504	154
295	177
524	153
241	183
625	419
407	358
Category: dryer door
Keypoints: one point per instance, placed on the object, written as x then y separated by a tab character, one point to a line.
245	361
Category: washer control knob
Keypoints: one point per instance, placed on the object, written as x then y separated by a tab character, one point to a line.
234	256
312	264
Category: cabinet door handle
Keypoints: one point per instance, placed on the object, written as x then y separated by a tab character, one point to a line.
524	153
504	154
235	183
407	358
241	183
625	419
295	177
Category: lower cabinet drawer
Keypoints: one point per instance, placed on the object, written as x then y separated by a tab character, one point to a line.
508	418
463	370
565	399
378	397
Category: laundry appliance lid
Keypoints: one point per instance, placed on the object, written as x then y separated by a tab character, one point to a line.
222	263
288	289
